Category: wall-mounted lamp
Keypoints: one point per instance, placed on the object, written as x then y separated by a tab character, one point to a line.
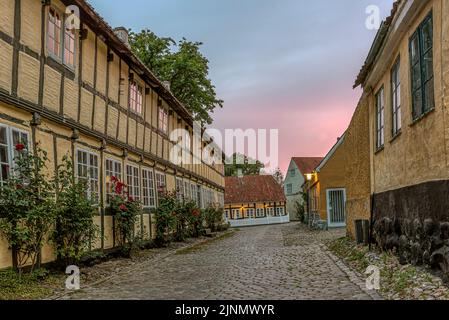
309	176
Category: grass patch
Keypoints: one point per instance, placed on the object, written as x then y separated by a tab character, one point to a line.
34	286
199	246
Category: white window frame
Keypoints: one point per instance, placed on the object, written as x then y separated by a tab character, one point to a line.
260	212
396	98
187	190
149	200
193	192
10	148
62	41
179	184
134	189
250	213
161	180
163	119
135	97
380	118
89	178
114	172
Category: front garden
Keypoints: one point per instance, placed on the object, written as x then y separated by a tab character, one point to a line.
38	210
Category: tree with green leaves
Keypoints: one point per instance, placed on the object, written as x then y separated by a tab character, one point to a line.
278	176
184	66
243	164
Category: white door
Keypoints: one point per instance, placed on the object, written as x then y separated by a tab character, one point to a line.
336	207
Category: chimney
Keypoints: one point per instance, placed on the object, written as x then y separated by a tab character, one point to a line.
123	34
167	85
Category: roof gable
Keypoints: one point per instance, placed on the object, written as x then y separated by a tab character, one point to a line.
307	164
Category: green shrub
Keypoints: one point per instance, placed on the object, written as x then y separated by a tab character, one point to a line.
75	228
27	207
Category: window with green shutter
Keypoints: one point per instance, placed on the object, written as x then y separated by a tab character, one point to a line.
421	63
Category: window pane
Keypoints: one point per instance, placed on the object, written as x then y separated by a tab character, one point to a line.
3	135
428	65
416	77
427	35
429	96
3	154
417	105
414	49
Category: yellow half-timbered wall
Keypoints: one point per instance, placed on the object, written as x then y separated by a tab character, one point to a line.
87	107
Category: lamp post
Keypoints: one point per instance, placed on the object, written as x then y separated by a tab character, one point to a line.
309	177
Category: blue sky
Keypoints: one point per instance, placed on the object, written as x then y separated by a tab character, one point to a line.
287	64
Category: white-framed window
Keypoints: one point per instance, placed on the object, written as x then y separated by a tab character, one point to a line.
279	211
10	137
226	213
61	41
135	98
289	189
113	168
133	181
187	190
250	213
193	193
160	181
396	98
380	119
199	197
271	211
163	120
149	193
87	170
236	214
260	212
179	188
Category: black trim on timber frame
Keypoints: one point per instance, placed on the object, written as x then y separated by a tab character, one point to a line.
80	72
120	81
16	45
108	66
94	97
55	117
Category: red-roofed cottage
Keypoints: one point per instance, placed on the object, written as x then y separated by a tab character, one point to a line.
254	200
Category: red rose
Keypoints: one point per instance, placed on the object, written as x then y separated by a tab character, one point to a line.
123	208
20	147
130	199
19	187
196	213
119	188
114	179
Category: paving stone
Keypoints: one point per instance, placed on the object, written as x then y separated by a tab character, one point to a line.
269	262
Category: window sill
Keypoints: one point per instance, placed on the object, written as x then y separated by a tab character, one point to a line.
379	150
396	136
424	115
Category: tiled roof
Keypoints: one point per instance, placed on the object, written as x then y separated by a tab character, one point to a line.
249	189
307	164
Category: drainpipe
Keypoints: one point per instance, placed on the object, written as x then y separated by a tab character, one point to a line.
370	235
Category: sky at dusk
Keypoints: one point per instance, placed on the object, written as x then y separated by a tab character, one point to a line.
277	64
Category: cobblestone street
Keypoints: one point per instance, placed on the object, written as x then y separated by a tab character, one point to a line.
268	262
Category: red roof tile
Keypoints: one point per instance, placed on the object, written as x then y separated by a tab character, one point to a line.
246	189
307	164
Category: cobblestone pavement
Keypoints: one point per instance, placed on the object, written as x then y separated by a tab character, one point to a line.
270	262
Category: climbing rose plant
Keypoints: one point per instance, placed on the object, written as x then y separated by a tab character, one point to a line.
75	228
125	211
27	207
